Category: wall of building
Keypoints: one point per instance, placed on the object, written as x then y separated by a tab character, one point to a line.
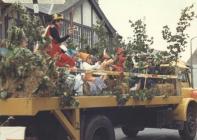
86	13
95	18
77	15
86	9
7	19
195	75
2	31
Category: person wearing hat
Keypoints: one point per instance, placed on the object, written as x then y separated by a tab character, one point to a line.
53	33
96	84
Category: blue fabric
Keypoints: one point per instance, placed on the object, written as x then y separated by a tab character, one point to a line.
97	86
71	52
3	52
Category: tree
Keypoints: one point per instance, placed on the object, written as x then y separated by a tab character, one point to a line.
103	38
139	47
117	42
178	41
141	42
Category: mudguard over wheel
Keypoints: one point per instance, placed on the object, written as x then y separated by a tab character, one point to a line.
190	125
130	132
99	128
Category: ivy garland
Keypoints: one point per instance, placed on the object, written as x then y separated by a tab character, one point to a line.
68	100
142	95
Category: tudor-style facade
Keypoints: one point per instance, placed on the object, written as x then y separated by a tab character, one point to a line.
194	67
86	13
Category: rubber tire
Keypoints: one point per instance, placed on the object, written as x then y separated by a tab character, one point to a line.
189	133
99	128
130	132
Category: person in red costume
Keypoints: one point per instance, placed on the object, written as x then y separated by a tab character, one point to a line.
53	32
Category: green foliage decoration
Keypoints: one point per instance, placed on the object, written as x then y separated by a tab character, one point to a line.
24	73
144	94
27	25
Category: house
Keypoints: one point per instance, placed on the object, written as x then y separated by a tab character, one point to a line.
194	67
85	14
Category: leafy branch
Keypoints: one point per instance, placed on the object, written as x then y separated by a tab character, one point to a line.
178	41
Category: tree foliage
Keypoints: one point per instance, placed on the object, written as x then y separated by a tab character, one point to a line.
138	49
178	41
117	42
26	25
103	37
140	40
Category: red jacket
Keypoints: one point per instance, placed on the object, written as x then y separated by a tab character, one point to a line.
53	32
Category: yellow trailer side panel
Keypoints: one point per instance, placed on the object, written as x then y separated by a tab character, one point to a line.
31	106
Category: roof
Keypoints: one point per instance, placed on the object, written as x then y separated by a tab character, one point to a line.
53	8
102	16
179	64
31	1
56	8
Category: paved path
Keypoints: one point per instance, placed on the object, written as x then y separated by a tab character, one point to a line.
151	134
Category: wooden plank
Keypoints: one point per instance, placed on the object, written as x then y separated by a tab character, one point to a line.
129	74
16	106
31	106
110	101
73	132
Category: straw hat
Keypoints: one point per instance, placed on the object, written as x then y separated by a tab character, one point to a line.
83	56
57	16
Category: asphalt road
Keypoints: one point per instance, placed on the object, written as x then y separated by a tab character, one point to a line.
151	134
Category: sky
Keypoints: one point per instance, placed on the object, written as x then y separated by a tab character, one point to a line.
155	13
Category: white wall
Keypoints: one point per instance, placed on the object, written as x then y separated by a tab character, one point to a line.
87	13
195	75
77	15
95	18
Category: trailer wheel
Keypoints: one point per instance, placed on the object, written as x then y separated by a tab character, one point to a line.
190	125
99	128
130	132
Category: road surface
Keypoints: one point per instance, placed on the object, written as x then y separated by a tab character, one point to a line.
151	134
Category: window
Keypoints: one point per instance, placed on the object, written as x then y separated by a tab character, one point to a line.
77	36
87	35
95	38
1	31
86	32
1	26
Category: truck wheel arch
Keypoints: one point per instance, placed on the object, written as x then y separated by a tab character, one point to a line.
180	112
188	132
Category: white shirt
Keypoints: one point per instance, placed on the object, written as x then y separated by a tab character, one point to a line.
87	66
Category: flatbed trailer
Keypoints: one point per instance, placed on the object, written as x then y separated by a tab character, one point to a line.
96	116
